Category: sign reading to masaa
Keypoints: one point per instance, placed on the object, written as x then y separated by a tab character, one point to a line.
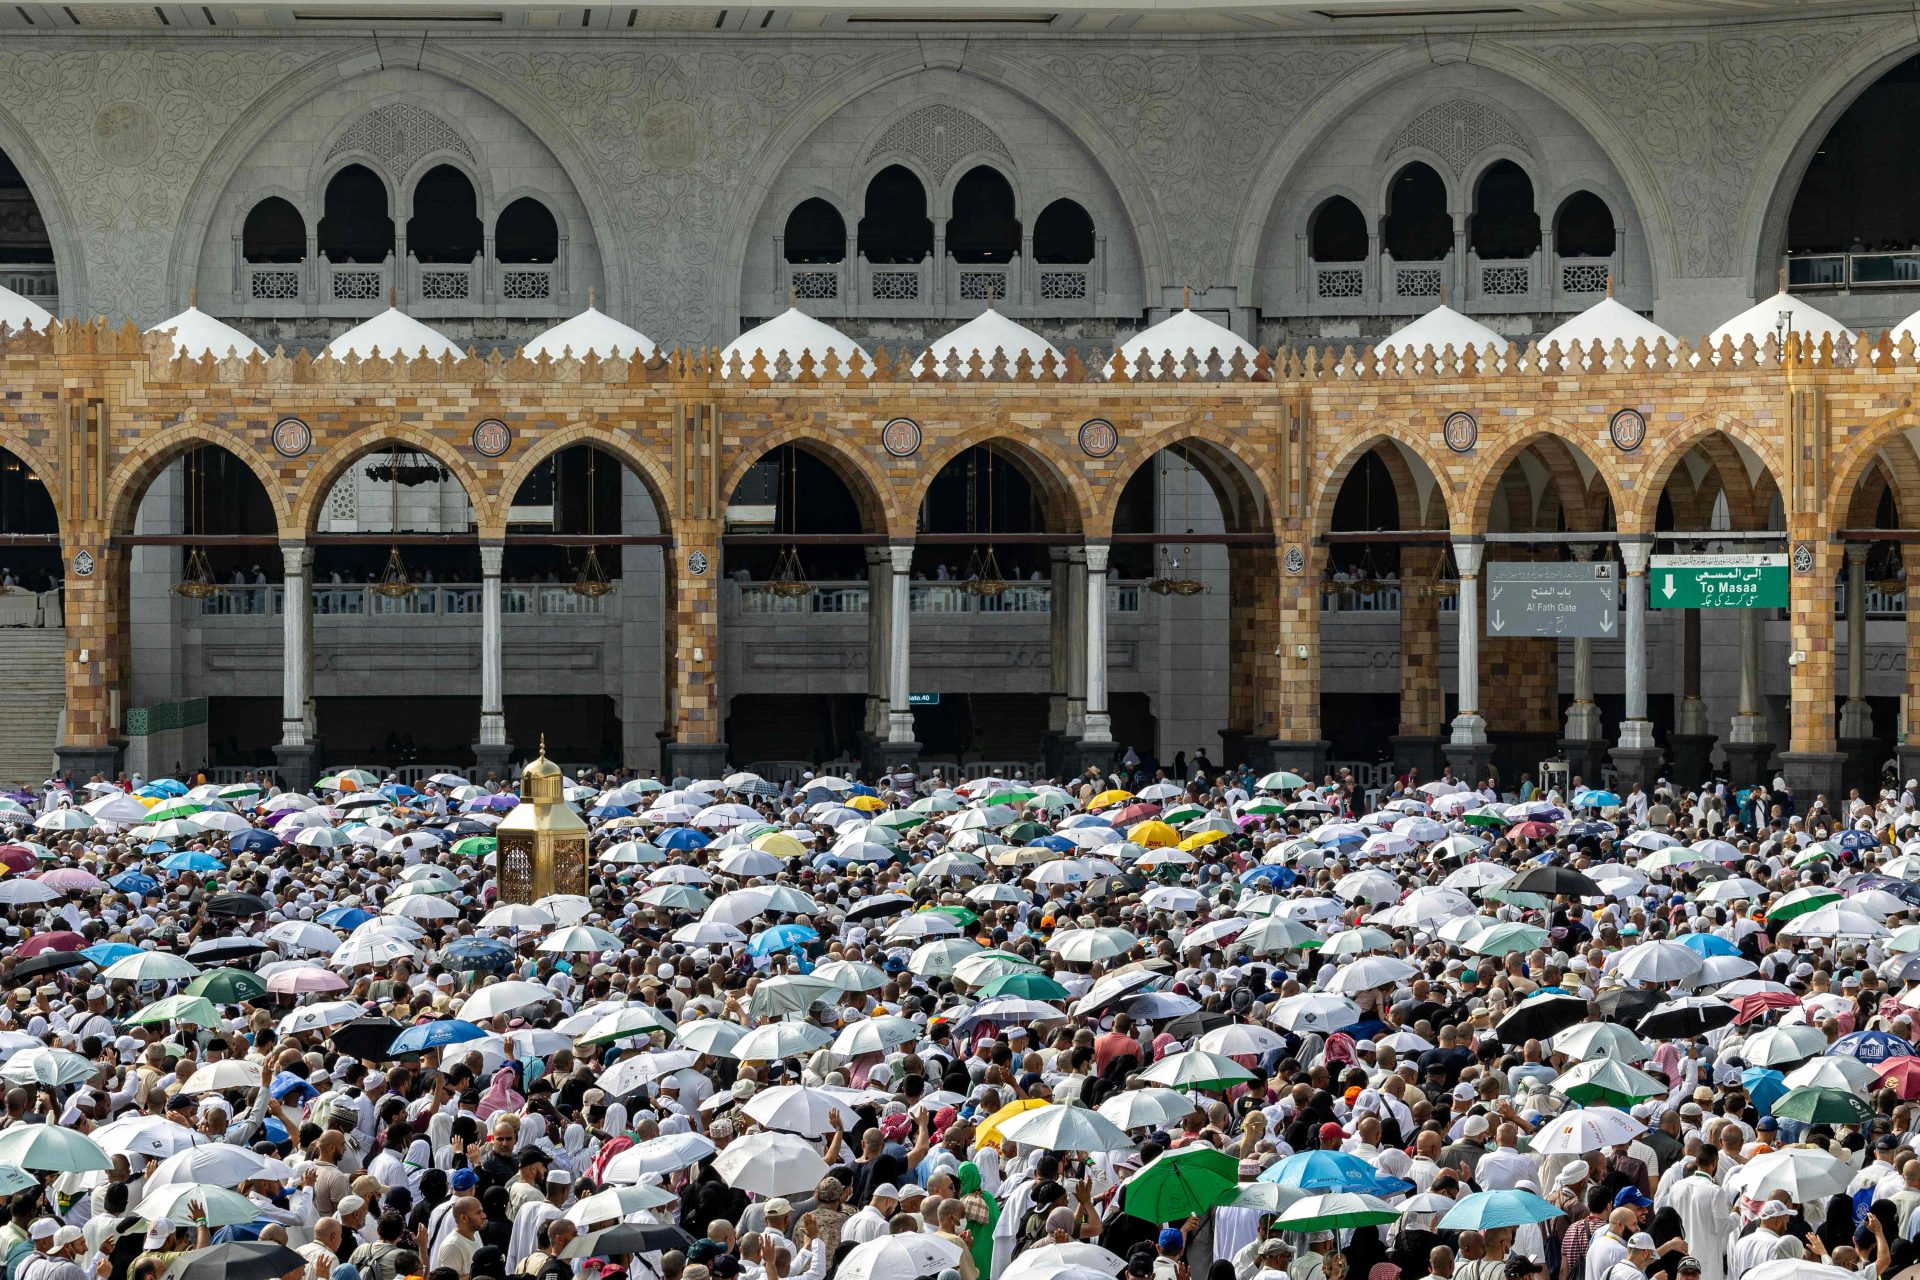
1555	599
1718	582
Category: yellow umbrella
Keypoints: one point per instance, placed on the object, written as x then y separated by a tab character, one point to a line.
1106	798
1198	840
866	804
989	1131
1153	835
780	845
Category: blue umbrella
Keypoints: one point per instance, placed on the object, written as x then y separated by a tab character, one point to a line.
862	789
160	847
1333	1171
253	840
162	789
1270	874
681	839
105	953
1595	800
480	953
1765	1086
134	882
1059	844
398	789
1595	830
348	918
191	860
610	811
1707	944
1485	1210
432	1035
782	937
1871	1046
1856	840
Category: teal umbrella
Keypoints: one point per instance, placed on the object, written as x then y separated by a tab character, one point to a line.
1337	1211
1484	1210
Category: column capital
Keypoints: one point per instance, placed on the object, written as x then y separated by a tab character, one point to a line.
1857	553
877	555
900	554
1097	553
1638	554
1582	551
1467	555
295	557
492	556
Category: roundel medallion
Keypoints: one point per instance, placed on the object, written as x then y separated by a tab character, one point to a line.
1098	438
901	437
697	564
291	437
1461	431
83	565
491	438
1628	428
1803	558
1295	560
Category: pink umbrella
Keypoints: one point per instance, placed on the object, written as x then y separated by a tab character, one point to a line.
304	981
71	880
58	940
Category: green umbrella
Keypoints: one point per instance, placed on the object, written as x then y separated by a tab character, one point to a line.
1818	1105
1337	1211
195	1009
51	1148
1484	819
475	846
1178	1184
1034	986
1265	807
900	819
1604	1080
1281	781
959	915
1507	936
1021	832
228	986
1801	902
1517	898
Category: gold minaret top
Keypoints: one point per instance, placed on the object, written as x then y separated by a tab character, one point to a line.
543	842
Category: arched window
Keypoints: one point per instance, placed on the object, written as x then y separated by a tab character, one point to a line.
354	226
1418	227
526	232
23	232
983	228
445	226
1063	233
274	232
894	226
815	233
1338	232
1584	227
1861	192
1504	223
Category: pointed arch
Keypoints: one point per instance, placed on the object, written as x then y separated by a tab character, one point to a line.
128	485
1470	517
1399	437
1243	486
326	470
1066	502
1676	444
879	512
645	467
42	467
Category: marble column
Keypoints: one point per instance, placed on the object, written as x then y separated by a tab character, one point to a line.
899	650
1099	725
1747	747
1581	744
1468	751
1691	742
1637	758
491	751
879	659
1856	717
297	753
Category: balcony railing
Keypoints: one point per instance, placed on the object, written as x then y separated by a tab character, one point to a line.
1880	603
939	286
854	598
1382	285
1336	598
35	280
1815	271
444	289
431	600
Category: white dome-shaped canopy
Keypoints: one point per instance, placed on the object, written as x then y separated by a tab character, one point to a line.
1762	321
1183	332
197	334
393	333
1911	325
983	335
1440	328
18	313
592	331
1605	321
792	333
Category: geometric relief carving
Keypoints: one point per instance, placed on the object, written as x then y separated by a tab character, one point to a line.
1458	130
938	136
400	133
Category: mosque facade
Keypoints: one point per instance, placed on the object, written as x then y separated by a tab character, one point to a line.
1280	324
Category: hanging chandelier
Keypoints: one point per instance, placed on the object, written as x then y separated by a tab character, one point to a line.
1886	568
1445	582
1170	580
592	580
789	581
983	577
196	582
394	582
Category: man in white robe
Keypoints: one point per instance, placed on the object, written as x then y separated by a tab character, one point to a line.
1762	1244
1706	1213
535	1214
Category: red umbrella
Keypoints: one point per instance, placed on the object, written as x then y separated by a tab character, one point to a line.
1139	811
1760	1003
58	940
1533	831
1903	1074
14	858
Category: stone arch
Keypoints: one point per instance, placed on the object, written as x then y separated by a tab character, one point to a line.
1067	504
873	494
1295	147
49	473
333	463
1850	463
1570	490
648	469
1472	513
1392	437
1243	488
1091	133
1675	445
69	260
1863	511
128	485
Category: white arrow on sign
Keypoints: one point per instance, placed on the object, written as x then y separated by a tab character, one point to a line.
1497	624
1606	620
1668	590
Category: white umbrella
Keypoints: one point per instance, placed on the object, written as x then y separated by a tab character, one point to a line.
1147	1108
1237	1038
1804	1175
303	935
47	1066
220	1206
630	1075
616	1203
873	1035
891	1257
140	1135
370	948
1195	1068
220	1163
779	1040
518	915
1833	1071
663	1155
1588	1129
318	1017
793	1108
772	1164
566	908
1600	1040
1061	1128
579	939
503	997
1776	1045
1086	946
1314	1012
1368	973
228	1073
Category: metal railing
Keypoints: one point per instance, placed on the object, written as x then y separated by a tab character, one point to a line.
1887	270
1880	603
939	285
1341	598
843	598
452	599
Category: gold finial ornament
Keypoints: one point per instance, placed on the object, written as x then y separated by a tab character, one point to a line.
543	843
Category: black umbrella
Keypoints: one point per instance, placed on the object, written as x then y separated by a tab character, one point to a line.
1687	1016
1554	881
886	904
633	1237
1627	1005
237	904
1189	1025
1540	1017
223	950
236	1260
49	962
1107	886
1899	969
369	1038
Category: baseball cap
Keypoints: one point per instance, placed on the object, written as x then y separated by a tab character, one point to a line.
462	1180
779	1206
1331	1130
1690	1263
1631	1196
157	1232
1640	1240
1170	1238
66	1236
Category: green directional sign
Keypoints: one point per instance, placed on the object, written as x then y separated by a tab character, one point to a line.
923	699
1718	582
